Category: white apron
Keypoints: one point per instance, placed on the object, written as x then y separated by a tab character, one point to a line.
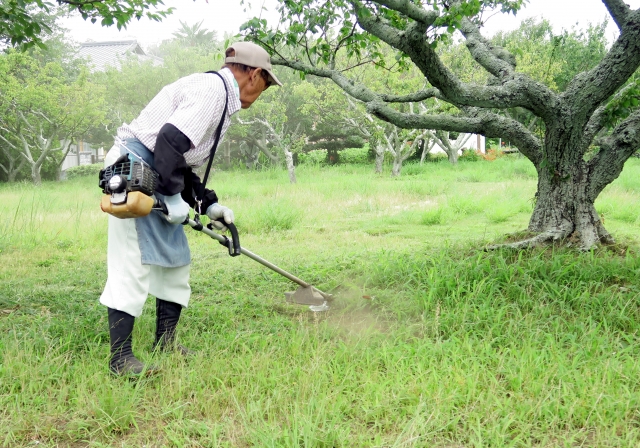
129	282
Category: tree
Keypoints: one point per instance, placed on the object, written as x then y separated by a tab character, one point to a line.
330	114
280	124
23	22
385	138
11	160
195	35
597	107
451	146
38	110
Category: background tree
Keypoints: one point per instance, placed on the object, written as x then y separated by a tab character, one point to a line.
39	110
11	159
385	138
451	146
195	36
331	128
575	118
282	123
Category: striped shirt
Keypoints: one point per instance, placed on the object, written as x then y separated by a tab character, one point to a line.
194	105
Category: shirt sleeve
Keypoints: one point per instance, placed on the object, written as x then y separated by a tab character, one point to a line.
171	144
199	110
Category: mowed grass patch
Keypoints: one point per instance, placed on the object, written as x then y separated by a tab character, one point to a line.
430	342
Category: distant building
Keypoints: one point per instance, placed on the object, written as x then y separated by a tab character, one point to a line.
111	54
102	55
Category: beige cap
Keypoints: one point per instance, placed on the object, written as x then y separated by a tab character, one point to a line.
252	55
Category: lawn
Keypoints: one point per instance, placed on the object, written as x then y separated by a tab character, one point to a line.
431	341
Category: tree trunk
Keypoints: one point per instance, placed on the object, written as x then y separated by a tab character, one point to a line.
11	170
251	160
35	174
427	146
227	155
425	151
379	158
564	207
288	155
397	166
58	172
452	154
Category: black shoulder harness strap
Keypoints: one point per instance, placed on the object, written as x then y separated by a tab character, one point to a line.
200	195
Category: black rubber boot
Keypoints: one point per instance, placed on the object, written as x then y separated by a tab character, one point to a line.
123	362
167	317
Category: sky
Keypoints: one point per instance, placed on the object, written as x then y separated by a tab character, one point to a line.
226	16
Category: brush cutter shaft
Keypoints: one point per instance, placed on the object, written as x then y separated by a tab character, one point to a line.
222	239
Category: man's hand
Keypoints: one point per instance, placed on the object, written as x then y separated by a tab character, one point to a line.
177	209
216	211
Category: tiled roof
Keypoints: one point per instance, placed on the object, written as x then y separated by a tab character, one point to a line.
105	54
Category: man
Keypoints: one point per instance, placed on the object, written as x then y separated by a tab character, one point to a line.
173	134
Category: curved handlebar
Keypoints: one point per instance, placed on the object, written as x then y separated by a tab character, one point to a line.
232	244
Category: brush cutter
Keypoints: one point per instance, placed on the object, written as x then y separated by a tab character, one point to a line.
129	184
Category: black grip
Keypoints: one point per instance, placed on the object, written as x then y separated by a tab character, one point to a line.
160	205
234	244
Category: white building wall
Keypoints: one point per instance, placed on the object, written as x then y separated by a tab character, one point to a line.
476	142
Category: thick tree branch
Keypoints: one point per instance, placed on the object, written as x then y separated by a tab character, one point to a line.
476	121
412	97
588	90
496	60
356	90
516	90
598	120
618	10
409	9
607	165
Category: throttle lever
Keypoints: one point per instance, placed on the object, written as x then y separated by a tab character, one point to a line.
232	244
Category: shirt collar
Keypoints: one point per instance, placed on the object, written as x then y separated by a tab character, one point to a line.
234	90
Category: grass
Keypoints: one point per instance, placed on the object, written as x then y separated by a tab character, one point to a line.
431	341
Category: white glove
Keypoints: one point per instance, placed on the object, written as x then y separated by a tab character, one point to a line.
216	211
178	210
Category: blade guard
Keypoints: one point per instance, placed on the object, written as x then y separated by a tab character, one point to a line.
305	296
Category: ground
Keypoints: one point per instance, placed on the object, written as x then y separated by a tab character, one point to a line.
432	341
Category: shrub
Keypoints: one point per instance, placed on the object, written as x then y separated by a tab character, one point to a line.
470	155
493	154
315	157
84	170
436	157
355	155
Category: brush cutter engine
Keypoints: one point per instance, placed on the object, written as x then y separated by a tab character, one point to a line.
128	187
